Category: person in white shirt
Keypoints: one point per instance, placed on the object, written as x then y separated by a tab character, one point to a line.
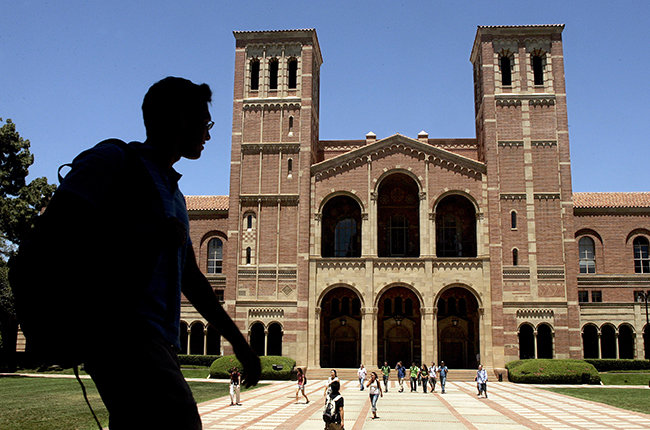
362	376
328	388
481	380
375	391
433	377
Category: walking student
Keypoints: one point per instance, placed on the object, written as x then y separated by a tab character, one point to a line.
328	388
401	374
374	391
385	370
362	376
481	380
302	381
433	378
413	373
235	382
443	375
424	377
335	401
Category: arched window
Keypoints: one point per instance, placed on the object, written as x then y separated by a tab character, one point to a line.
398	217
587	255
293	73
526	342
249	221
513	220
291	126
289	167
515	257
341	228
538	68
274	65
248	255
398	235
215	255
455	227
641	257
506	70
255	74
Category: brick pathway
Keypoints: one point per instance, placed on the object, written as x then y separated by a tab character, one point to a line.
509	407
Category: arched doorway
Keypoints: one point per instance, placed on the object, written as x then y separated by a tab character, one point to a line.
526	342
608	341
590	341
625	341
458	328
340	328
399	327
274	341
257	338
398	217
197	336
544	341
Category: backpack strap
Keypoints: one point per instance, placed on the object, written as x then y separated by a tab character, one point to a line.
122	144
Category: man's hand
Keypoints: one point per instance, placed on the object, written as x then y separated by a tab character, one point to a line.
251	363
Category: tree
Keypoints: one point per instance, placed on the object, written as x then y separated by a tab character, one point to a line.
20	204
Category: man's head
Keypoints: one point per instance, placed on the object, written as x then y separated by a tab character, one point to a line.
175	113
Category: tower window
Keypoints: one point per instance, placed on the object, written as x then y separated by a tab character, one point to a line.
248	255
215	255
255	74
515	257
249	221
587	255
538	69
506	73
641	257
293	73
513	220
273	73
289	166
291	126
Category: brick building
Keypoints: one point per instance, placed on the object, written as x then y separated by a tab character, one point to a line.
416	248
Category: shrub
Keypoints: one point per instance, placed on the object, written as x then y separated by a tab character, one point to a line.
605	364
197	360
219	369
549	371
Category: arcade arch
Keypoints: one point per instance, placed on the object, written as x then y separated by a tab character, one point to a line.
398	216
458	328
398	326
340	328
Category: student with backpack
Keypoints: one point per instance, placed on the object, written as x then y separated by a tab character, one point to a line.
333	414
118	258
302	381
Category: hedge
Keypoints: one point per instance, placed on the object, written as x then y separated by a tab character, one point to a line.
220	368
605	364
551	371
197	360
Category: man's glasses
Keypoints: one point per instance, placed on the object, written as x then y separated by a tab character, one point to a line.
209	124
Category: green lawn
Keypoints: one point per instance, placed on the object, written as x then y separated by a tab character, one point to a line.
625	378
49	403
633	399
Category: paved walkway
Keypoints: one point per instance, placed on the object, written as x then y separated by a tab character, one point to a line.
509	407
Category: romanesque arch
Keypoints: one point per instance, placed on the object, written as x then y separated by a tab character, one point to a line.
625	341
340	328
398	216
544	341
590	343
274	339
458	327
256	338
197	338
341	227
455	227
526	341
213	341
398	326
608	341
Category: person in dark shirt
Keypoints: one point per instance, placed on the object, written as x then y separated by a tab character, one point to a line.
338	422
235	382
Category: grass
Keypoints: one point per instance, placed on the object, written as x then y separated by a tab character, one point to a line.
632	399
52	403
625	378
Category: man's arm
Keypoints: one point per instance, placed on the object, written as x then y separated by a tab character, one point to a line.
198	291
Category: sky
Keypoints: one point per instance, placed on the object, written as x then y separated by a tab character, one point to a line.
74	72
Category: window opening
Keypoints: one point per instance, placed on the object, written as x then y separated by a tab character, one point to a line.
290	126
293	73
641	257
273	73
513	220
388	307
255	74
587	255
398	234
597	296
538	69
215	255
289	166
506	74
249	221
583	296
248	255
515	257
344	235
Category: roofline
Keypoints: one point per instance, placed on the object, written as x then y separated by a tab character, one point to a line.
514	30
281	35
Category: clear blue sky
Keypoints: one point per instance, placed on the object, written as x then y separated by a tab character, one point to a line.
74	72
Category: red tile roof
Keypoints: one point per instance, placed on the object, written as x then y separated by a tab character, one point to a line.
611	200
206	203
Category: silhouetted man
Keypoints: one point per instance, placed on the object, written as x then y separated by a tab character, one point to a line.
127	221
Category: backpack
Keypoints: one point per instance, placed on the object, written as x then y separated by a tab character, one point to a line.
66	289
329	413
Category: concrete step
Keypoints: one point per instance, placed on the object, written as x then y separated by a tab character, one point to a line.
351	374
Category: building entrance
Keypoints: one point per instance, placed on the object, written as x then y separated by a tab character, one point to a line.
458	329
340	329
398	327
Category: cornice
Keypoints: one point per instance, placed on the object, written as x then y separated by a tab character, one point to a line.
397	142
252	104
270	148
290	199
510	99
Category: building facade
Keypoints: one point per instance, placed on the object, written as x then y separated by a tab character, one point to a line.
416	248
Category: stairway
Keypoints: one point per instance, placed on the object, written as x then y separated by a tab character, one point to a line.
317	373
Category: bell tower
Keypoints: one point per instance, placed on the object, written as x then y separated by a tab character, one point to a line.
274	143
522	133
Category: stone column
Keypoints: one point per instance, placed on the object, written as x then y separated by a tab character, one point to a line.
266	340
427	337
317	339
368	338
600	344
205	340
189	332
434	315
535	342
616	342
